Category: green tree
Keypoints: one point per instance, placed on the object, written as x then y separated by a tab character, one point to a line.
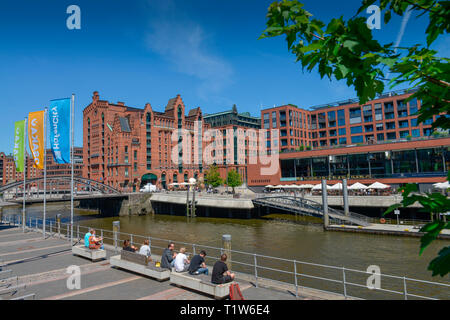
234	179
212	177
346	50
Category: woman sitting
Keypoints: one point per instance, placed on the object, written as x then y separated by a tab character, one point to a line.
128	247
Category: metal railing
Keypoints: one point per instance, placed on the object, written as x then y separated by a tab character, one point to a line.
313	208
300	277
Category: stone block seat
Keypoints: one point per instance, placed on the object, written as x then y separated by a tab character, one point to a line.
92	254
139	263
201	283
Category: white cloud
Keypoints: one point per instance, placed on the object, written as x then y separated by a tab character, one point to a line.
184	44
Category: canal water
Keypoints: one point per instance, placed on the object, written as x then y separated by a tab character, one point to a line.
296	239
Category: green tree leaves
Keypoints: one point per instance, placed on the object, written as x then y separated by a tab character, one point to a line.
347	50
212	177
234	179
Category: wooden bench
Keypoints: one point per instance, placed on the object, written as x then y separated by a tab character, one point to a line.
92	254
201	283
139	263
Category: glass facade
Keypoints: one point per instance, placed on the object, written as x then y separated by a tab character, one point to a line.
387	164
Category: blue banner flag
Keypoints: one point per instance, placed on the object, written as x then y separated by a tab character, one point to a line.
59	124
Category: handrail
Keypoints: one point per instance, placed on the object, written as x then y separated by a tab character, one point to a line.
262	265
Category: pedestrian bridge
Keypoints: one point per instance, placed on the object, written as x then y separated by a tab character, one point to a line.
310	208
87	183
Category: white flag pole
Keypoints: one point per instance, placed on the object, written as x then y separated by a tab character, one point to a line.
71	160
45	167
24	173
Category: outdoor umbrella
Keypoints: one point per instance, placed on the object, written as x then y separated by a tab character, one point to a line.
305	186
357	186
319	187
378	185
442	185
337	186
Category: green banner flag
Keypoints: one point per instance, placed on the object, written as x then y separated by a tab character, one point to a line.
19	145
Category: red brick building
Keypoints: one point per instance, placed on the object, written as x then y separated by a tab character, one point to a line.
388	118
127	147
8	172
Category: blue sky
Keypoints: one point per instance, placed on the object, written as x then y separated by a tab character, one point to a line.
150	51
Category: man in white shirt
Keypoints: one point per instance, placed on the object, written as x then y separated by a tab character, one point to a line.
181	261
145	250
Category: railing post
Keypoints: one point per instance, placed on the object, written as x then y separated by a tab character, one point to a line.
36	224
58	222
131	239
150	244
78	232
343	282
295	274
101	235
256	270
68	225
404	288
226	245
116	230
193	249
50	228
326	221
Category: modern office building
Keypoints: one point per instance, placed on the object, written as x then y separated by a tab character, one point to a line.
126	147
377	141
229	122
387	118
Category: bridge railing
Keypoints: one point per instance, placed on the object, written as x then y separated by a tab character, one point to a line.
298	277
337	216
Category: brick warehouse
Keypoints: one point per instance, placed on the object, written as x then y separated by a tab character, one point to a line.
8	172
127	147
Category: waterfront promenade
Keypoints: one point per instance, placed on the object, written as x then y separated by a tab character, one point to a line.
38	269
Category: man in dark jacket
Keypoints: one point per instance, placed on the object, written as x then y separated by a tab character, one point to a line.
168	257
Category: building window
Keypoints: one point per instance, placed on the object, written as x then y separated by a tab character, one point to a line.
341	117
355	130
378	112
391	136
415	133
379	126
355	115
282	118
342	140
380	136
126	172
403	124
274	119
368	128
390	125
357	139
266	121
413	107
342	131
